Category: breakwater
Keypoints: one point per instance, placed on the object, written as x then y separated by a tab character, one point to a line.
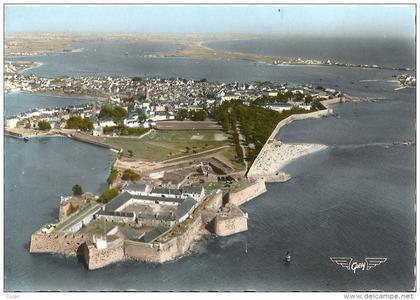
89	140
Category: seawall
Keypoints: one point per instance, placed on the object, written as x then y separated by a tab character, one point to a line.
61	243
87	139
248	193
98	258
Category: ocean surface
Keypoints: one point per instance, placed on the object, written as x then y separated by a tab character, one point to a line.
354	199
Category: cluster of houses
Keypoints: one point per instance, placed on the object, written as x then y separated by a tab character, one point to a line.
407	80
57	116
113	89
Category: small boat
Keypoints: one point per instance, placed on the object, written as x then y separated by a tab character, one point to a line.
288	257
25	139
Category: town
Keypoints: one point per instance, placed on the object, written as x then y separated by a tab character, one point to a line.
146	101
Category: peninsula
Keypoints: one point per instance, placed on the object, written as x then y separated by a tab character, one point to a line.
188	154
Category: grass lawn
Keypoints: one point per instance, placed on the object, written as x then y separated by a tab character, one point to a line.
230	154
163	145
101	227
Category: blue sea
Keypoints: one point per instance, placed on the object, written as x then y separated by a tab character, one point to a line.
354	199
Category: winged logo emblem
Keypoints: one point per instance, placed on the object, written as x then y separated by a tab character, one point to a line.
352	265
342	261
372	262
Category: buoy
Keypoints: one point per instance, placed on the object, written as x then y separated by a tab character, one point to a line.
288	257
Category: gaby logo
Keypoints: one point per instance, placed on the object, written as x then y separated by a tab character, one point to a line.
353	265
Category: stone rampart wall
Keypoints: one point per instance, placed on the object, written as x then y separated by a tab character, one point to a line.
57	242
99	258
248	193
229	226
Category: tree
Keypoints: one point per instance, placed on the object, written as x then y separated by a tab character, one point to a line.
78	122
117	113
108	195
298	97
77	190
308	99
124	130
182	114
289	95
130	175
72	209
44	125
199	115
112	176
137	78
142	117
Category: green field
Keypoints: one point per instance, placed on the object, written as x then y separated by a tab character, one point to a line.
162	145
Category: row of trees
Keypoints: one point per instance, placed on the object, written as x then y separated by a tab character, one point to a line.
124	130
227	115
112	176
198	115
256	124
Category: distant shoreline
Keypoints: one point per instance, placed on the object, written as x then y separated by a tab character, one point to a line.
192	46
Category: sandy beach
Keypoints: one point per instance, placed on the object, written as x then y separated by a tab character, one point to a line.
276	155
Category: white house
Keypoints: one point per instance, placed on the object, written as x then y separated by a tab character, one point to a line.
12	122
270	93
196	193
107	123
305	106
138	189
166	192
278	106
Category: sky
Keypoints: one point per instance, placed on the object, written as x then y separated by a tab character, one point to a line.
313	20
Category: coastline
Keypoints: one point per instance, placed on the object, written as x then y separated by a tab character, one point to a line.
275	154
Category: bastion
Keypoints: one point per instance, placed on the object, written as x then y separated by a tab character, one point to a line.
230	220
